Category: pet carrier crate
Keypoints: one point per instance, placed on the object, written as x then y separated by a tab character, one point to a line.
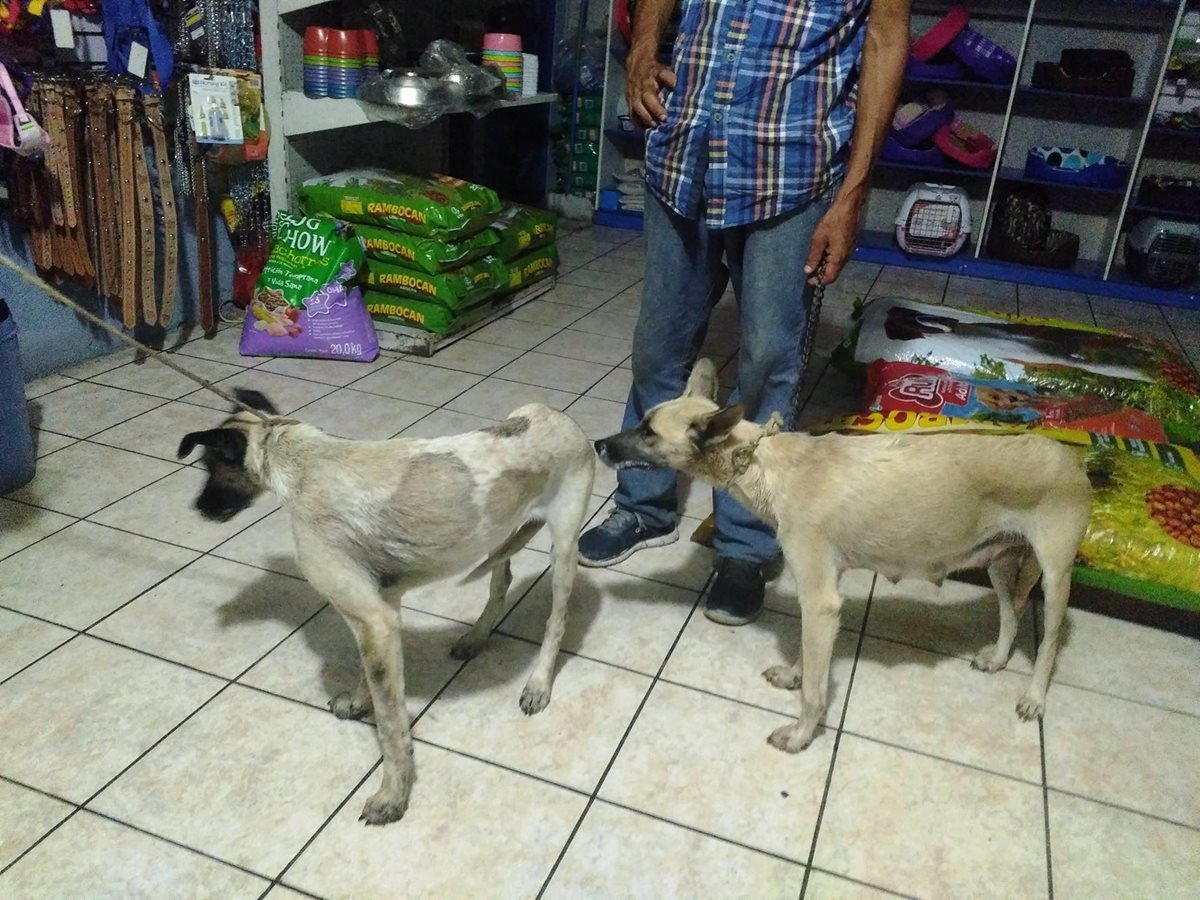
934	220
1163	253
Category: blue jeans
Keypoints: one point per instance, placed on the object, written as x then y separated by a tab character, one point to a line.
687	267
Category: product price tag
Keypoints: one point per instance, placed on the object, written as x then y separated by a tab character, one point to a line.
60	23
138	55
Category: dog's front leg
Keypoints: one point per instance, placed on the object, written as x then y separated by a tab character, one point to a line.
820	609
352	704
355	593
564	528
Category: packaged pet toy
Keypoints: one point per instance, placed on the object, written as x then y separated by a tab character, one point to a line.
1053	358
304	303
893	386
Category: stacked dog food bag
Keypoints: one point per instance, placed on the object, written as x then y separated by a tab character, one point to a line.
440	251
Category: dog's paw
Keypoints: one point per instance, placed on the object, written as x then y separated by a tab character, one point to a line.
467	647
783	677
1031	707
383	808
791	738
534	698
344	706
986	660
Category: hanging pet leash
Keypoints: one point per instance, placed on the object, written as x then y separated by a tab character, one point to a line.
810	333
162	357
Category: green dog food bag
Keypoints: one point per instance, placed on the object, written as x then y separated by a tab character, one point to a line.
532	267
523	228
424	314
437	206
424	254
456	289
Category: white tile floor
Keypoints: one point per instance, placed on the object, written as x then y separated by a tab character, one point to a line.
163	680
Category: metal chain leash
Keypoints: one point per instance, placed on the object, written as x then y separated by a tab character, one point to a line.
810	334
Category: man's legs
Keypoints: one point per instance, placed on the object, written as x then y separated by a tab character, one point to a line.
684	279
766	262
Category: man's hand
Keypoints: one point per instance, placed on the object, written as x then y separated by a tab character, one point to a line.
834	238
645	77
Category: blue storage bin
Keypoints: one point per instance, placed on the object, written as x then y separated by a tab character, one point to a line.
17	461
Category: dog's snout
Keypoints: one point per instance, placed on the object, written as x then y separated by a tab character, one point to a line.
602	449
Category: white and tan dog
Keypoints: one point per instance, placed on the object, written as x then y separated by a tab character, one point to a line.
373	519
918	506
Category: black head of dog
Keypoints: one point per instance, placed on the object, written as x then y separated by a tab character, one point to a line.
231	485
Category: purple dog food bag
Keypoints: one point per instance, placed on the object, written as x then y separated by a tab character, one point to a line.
304	303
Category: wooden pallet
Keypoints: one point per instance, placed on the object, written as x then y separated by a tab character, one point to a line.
406	339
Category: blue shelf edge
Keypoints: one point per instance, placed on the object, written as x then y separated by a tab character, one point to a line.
880	247
615	218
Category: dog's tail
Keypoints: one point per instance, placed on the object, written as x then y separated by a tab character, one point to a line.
515	543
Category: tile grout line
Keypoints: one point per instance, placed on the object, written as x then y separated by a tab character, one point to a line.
621	744
837	740
228	683
1034	609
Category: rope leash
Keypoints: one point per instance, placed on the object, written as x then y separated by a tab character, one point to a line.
164	358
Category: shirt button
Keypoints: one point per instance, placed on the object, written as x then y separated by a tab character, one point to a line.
731	56
716	117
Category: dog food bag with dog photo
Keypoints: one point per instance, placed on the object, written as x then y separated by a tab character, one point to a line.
437	206
458	288
1143	535
523	228
423	254
918	388
303	303
1055	358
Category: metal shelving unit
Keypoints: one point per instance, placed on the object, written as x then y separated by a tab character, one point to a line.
1018	116
318	136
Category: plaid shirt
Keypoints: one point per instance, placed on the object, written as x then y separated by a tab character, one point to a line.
762	109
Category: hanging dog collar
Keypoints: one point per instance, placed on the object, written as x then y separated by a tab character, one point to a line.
130	21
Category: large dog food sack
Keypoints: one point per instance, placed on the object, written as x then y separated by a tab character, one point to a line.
531	267
303	304
523	228
424	254
893	386
460	288
428	315
1143	537
1055	358
437	206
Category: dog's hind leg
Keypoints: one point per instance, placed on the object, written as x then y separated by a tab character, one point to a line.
820	610
472	642
1012	577
1056	590
565	519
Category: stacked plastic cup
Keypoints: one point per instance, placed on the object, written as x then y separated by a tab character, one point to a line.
370	45
504	51
316	61
345	62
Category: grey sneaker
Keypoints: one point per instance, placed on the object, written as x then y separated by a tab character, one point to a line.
620	536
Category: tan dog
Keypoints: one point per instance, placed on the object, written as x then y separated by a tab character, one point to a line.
373	519
903	506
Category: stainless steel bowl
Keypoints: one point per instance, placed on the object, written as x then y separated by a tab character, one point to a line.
409	89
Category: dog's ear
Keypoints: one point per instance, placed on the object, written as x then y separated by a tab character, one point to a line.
255	400
703	380
715	425
228	443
